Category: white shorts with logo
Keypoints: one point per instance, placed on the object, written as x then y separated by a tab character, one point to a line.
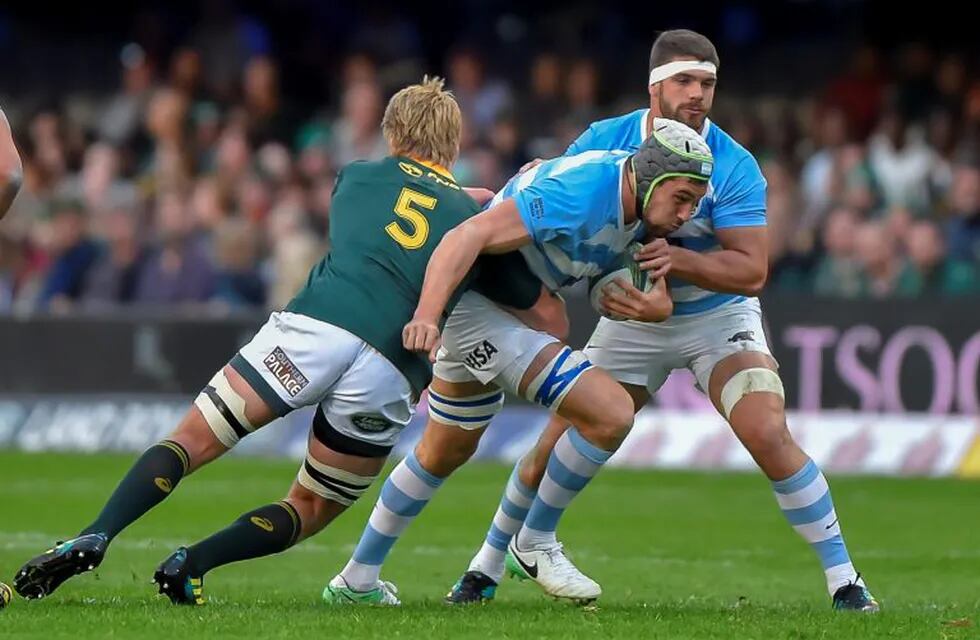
482	342
306	361
644	353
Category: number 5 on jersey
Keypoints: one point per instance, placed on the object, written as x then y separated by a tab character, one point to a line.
420	226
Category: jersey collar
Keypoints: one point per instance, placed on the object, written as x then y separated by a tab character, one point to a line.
438	168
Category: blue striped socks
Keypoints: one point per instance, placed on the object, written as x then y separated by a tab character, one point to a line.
805	500
507	521
404	494
571	466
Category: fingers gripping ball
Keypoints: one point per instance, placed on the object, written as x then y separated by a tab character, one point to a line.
6	594
630	273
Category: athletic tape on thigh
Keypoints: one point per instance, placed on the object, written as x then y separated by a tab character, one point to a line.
470	412
332	483
224	411
557	378
749	381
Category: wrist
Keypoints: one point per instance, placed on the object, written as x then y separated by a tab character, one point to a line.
679	260
426	316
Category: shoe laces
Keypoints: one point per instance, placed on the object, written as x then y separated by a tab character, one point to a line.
561	564
389	590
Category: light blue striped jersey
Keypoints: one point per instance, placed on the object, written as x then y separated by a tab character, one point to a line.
736	196
572	207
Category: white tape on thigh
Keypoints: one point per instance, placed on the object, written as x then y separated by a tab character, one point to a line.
224	411
469	413
557	378
331	483
749	381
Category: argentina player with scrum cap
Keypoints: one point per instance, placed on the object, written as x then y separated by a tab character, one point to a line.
571	218
717	266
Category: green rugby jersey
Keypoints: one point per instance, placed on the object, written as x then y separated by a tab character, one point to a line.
386	219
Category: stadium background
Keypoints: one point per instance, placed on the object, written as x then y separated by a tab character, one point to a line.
179	159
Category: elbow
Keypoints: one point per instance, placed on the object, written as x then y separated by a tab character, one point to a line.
755	283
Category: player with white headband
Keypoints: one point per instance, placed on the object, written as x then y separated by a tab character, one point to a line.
717	264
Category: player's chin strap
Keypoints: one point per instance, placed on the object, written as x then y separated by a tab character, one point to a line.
748	381
664	71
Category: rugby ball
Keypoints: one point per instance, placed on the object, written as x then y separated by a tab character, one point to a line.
596	285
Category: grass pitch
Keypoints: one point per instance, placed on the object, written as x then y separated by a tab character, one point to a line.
679	555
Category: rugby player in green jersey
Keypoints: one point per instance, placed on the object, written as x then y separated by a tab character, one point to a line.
336	346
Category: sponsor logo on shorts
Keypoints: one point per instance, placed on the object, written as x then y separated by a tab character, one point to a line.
481	355
743	336
371	423
285	372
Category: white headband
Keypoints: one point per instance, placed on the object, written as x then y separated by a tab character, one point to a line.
665	71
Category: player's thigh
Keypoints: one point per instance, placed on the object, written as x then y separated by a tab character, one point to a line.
227	405
715	344
460	409
459	413
295	360
637	354
367	408
495	347
292	361
740	376
353	431
580	393
488	341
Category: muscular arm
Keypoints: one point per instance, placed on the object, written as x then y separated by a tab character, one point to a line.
496	230
740	267
11	169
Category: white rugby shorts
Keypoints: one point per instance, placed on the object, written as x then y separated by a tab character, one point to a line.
295	361
644	353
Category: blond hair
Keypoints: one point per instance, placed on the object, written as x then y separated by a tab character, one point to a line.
424	121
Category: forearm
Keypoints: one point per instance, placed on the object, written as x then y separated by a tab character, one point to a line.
449	264
724	271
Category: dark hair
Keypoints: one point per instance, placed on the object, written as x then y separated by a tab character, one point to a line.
677	43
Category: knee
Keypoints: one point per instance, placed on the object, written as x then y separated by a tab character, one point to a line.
196	437
450	455
767	435
612	423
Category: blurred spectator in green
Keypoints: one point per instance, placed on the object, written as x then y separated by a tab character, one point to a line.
936	273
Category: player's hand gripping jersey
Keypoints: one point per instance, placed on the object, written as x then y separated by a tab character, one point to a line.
736	196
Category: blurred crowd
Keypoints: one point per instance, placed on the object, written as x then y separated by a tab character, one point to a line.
183	190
